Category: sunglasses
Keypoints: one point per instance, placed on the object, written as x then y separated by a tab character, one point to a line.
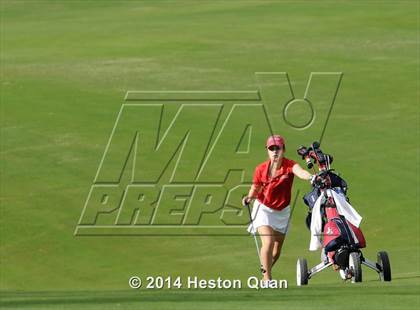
274	148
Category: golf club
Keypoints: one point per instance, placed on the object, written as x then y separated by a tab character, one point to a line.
255	237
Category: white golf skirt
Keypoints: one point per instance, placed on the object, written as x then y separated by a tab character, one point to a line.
265	216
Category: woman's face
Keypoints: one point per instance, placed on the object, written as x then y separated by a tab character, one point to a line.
275	152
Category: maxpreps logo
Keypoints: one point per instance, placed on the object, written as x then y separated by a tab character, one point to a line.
179	162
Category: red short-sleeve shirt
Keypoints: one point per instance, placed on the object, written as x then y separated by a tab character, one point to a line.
275	193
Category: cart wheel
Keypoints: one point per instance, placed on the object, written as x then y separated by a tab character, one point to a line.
355	267
383	262
302	272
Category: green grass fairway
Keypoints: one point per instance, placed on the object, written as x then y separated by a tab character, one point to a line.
65	69
368	296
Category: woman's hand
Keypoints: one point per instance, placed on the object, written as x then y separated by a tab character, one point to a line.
246	201
253	193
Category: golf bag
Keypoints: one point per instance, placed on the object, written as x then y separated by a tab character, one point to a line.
340	237
340	234
334	224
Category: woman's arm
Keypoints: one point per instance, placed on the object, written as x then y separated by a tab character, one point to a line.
253	191
252	194
301	173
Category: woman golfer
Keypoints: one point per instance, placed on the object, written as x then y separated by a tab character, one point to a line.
271	189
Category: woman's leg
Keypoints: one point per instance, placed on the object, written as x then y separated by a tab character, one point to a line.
267	238
278	236
278	244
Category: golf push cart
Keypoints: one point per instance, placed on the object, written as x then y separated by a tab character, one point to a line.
341	240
